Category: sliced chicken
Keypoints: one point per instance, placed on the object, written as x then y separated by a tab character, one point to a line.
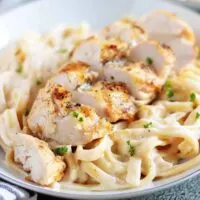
36	158
167	28
54	116
74	74
97	52
140	79
126	29
159	58
144	79
110	100
167	24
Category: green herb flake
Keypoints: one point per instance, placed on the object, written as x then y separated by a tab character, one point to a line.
169	93
131	148
19	69
61	150
168	84
169	90
149	61
75	114
112	77
197	115
192	97
148	125
39	82
62	51
81	119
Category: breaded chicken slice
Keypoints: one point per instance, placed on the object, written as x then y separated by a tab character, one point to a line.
111	100
74	74
149	66
168	29
38	160
125	29
54	116
96	52
159	58
139	78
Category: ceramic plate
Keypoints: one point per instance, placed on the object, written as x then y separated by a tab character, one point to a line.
44	15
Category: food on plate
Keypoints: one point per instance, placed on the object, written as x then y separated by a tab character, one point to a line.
167	28
102	110
38	160
111	100
96	52
127	30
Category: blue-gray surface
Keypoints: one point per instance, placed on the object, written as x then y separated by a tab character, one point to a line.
189	190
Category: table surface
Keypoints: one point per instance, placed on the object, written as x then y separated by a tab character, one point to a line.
189	190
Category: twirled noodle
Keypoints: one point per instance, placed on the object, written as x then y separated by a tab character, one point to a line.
96	152
177	169
134	172
9	126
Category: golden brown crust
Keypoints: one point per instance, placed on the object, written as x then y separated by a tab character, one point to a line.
20	55
117	101
148	82
114	50
115	86
133	25
75	66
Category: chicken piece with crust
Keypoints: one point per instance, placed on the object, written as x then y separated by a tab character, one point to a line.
127	30
139	78
110	100
145	78
158	57
42	117
74	74
97	52
168	29
31	153
54	116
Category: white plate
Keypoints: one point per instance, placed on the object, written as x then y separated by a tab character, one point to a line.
46	14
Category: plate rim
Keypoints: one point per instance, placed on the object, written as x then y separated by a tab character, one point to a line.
79	194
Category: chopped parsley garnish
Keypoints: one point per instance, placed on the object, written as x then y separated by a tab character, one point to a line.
81	119
131	148
61	51
19	68
148	125
75	114
61	150
168	84
169	90
192	97
169	93
149	61
26	113
39	82
197	115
